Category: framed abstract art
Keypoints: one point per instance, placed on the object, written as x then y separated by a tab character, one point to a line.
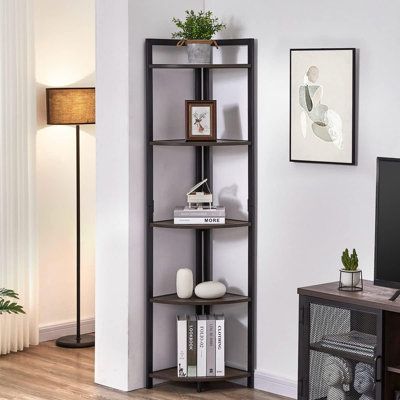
322	105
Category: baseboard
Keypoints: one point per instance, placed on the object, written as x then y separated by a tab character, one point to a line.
54	331
275	384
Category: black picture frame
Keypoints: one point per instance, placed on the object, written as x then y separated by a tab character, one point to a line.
353	160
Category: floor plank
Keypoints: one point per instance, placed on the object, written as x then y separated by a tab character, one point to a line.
47	372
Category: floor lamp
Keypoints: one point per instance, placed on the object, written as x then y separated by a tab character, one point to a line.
73	106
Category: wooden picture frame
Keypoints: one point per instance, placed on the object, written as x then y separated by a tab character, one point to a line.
322	106
201	120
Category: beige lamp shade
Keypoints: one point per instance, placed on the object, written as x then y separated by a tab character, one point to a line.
70	106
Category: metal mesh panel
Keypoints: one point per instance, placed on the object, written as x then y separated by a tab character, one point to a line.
342	351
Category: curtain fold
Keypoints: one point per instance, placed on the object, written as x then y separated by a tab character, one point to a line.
18	262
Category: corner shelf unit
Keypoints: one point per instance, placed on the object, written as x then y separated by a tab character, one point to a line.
202	82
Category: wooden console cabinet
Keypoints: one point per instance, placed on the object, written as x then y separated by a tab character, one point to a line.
327	315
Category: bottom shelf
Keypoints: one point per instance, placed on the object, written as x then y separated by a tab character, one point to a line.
169	374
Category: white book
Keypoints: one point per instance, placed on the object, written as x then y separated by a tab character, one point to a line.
181	324
199	220
220	345
201	345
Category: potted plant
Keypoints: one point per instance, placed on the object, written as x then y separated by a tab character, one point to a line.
350	275
9	306
196	32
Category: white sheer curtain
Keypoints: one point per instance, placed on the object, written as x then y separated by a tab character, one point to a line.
17	166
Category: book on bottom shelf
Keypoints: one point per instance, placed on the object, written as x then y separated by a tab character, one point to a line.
181	324
210	345
192	346
202	345
219	345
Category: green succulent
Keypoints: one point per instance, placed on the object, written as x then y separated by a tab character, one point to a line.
350	262
200	26
9	306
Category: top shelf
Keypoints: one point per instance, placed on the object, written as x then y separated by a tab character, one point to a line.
194	66
183	142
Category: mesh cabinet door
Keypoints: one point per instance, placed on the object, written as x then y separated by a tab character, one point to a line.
341	352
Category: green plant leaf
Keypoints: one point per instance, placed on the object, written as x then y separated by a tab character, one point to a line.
8	293
200	26
6	306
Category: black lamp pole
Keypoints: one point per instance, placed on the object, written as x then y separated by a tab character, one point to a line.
77	341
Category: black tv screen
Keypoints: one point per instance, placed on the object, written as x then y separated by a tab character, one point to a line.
387	228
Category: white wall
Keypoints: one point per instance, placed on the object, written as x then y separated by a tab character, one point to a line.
307	213
121	29
65	56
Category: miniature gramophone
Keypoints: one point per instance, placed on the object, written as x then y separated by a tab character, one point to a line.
199	198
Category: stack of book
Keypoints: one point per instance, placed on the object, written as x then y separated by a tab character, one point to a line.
355	342
201	345
199	215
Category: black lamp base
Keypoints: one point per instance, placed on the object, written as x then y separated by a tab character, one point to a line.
71	341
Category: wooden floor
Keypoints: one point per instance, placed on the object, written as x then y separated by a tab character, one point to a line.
52	373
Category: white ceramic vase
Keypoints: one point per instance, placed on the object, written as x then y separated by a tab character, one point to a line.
350	278
184	283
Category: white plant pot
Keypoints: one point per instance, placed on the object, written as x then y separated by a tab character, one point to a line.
350	278
184	283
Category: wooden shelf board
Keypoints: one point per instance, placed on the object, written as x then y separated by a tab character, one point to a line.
372	296
228	298
191	66
183	142
170	375
229	223
343	354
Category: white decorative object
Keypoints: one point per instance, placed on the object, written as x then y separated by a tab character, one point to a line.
184	283
336	373
210	290
200	197
364	381
350	278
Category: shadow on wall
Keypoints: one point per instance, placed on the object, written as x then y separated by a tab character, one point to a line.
229	55
228	198
233	125
41	101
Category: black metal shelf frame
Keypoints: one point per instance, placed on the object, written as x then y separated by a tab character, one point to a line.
203	168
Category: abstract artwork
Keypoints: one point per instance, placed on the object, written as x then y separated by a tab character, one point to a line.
322	125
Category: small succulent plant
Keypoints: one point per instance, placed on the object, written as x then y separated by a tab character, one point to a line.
350	262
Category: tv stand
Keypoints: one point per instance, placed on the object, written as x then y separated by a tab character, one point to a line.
395	296
331	321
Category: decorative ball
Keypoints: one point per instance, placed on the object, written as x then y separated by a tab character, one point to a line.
210	290
337	371
364	378
184	283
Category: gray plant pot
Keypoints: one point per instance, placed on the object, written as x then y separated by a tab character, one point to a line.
199	53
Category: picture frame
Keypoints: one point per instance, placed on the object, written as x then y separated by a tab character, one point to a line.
201	120
322	106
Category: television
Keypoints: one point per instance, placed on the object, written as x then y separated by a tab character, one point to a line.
387	223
